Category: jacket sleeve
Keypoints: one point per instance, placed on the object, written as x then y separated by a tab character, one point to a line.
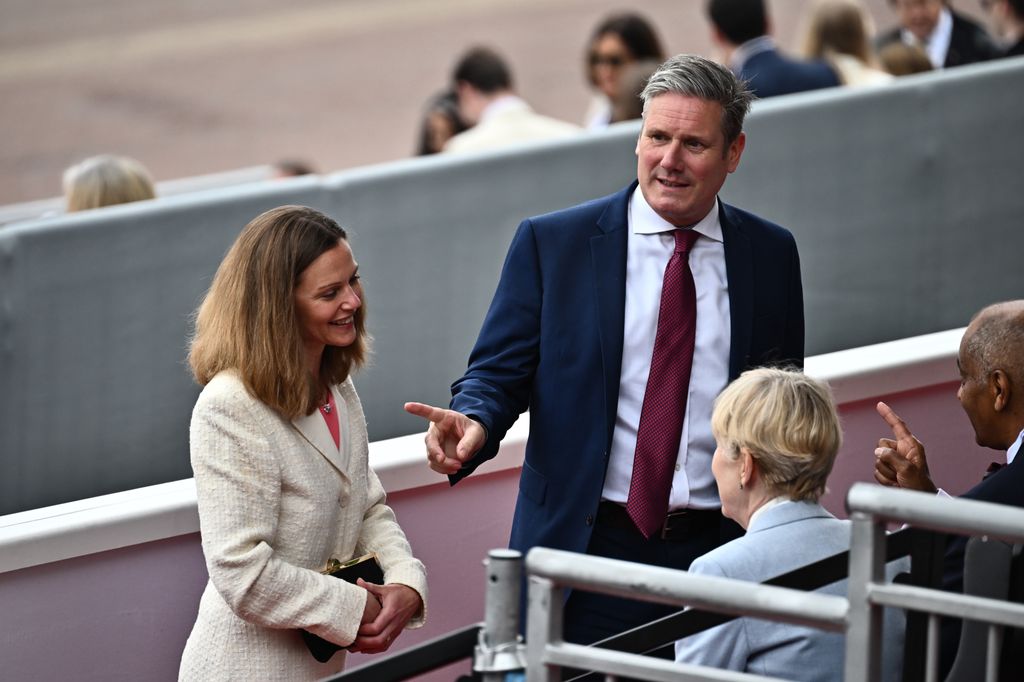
238	486
382	535
496	387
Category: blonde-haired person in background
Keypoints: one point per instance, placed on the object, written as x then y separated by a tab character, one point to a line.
279	450
778	435
839	32
106	180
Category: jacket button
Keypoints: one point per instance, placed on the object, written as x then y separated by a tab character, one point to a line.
590	519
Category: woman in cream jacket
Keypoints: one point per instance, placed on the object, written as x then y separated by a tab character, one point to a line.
279	451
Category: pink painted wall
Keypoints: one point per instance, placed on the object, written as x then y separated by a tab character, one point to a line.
118	616
125	614
451	529
934	415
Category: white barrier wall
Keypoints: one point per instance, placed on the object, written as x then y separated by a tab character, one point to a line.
904	200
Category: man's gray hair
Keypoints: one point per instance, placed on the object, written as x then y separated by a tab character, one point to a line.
695	76
997	342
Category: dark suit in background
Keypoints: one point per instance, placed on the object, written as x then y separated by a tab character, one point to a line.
740	29
968	43
1005	486
770	73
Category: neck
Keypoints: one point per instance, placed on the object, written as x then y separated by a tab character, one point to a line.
757	499
1009	434
314	356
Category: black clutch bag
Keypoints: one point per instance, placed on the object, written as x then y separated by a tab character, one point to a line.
365	567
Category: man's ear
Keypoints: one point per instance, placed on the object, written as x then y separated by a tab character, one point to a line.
999	388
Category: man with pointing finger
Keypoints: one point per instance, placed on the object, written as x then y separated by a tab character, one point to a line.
991	365
617	323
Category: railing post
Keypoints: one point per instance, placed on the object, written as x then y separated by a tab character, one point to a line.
864	630
543	627
499	649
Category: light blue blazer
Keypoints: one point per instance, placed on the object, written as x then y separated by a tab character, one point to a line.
781	539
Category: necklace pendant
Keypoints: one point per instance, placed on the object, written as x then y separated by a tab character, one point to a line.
326	408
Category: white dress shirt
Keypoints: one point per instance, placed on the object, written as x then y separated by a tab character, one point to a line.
937	44
1015	448
649	247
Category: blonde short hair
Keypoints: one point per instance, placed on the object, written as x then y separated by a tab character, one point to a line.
788	422
106	180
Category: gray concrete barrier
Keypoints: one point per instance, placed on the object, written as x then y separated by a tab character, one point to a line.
904	201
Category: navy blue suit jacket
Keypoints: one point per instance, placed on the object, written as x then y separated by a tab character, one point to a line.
770	73
552	342
1005	486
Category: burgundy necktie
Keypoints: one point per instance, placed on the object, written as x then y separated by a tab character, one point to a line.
661	417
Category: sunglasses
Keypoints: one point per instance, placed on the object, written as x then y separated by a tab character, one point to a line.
615	61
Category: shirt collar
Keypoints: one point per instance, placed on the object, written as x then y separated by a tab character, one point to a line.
1015	448
644	220
774	502
937	44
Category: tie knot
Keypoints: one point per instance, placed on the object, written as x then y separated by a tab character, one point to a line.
685	240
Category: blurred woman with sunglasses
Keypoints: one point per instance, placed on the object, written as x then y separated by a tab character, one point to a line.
617	42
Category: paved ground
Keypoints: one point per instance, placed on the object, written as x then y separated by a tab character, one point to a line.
201	86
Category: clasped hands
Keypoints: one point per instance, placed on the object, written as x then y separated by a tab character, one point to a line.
388	608
900	462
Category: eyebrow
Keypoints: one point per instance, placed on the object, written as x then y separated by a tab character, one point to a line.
335	283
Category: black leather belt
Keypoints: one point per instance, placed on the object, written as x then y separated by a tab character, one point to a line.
678	525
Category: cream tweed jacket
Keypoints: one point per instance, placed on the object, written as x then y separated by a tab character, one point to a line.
277	499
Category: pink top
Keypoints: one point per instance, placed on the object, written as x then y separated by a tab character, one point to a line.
330	415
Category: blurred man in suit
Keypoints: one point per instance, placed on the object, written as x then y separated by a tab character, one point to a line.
948	38
742	33
616	323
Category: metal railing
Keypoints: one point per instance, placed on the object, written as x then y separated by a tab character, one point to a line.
871	507
552	571
497	649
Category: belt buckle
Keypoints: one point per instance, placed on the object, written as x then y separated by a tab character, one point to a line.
666	526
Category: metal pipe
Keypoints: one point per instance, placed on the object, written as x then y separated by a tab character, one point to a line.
499	648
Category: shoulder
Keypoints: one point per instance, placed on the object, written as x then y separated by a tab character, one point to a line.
226	395
1006	486
226	387
973	39
963	24
753	226
587	213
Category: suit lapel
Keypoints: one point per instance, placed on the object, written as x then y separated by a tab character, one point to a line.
739	268
313	430
608	256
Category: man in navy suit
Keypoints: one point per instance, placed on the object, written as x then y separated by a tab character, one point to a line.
741	31
991	364
570	332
